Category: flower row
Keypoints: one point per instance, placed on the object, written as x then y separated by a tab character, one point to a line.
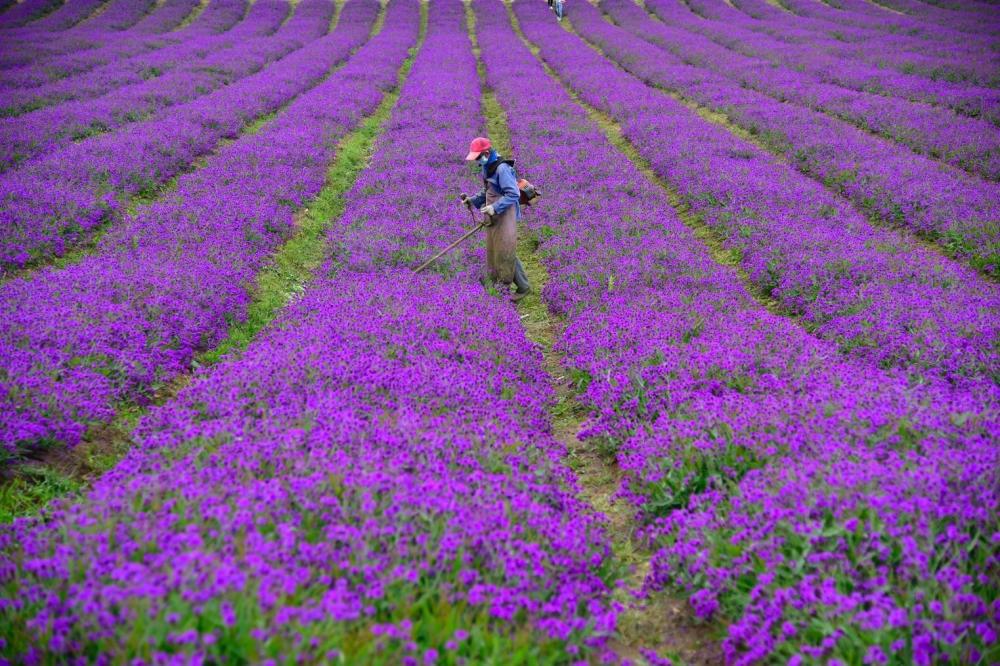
165	283
969	143
738	431
751	39
371	481
54	202
876	293
207	65
957	210
132	58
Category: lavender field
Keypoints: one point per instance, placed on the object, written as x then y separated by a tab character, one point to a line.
749	412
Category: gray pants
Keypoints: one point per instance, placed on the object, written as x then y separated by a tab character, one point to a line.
520	278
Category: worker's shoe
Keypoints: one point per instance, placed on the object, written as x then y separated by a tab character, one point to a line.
519	294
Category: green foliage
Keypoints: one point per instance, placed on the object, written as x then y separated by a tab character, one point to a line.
692	469
33	487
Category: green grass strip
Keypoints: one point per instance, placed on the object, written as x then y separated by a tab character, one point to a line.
294	263
33	488
190	18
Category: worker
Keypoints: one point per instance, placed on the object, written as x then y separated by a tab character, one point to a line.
559	9
499	202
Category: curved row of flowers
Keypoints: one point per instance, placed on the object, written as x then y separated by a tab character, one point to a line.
938	53
60	55
204	66
371	481
969	143
66	16
859	16
757	38
830	509
81	21
974	20
27	11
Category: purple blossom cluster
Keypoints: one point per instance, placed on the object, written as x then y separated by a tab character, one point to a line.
963	62
864	20
29	10
121	14
66	16
170	14
131	59
356	483
959	211
201	70
834	511
755	38
873	291
165	283
53	202
80	26
872	17
976	18
372	481
854	554
969	143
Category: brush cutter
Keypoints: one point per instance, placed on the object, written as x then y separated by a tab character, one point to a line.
479	225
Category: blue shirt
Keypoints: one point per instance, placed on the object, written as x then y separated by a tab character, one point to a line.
504	181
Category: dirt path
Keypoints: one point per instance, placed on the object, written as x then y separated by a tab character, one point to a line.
660	622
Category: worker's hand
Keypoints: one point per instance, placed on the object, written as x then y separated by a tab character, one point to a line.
464	198
487	210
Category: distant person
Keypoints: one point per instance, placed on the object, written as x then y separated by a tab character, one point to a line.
499	202
558	5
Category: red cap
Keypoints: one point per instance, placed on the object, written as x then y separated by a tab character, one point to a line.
478	145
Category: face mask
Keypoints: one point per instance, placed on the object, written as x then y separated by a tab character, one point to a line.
483	159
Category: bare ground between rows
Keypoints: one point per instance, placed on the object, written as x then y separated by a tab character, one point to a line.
658	621
103	443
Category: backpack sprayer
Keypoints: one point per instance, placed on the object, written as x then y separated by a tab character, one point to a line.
526	194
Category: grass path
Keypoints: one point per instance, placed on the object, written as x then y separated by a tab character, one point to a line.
190	18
